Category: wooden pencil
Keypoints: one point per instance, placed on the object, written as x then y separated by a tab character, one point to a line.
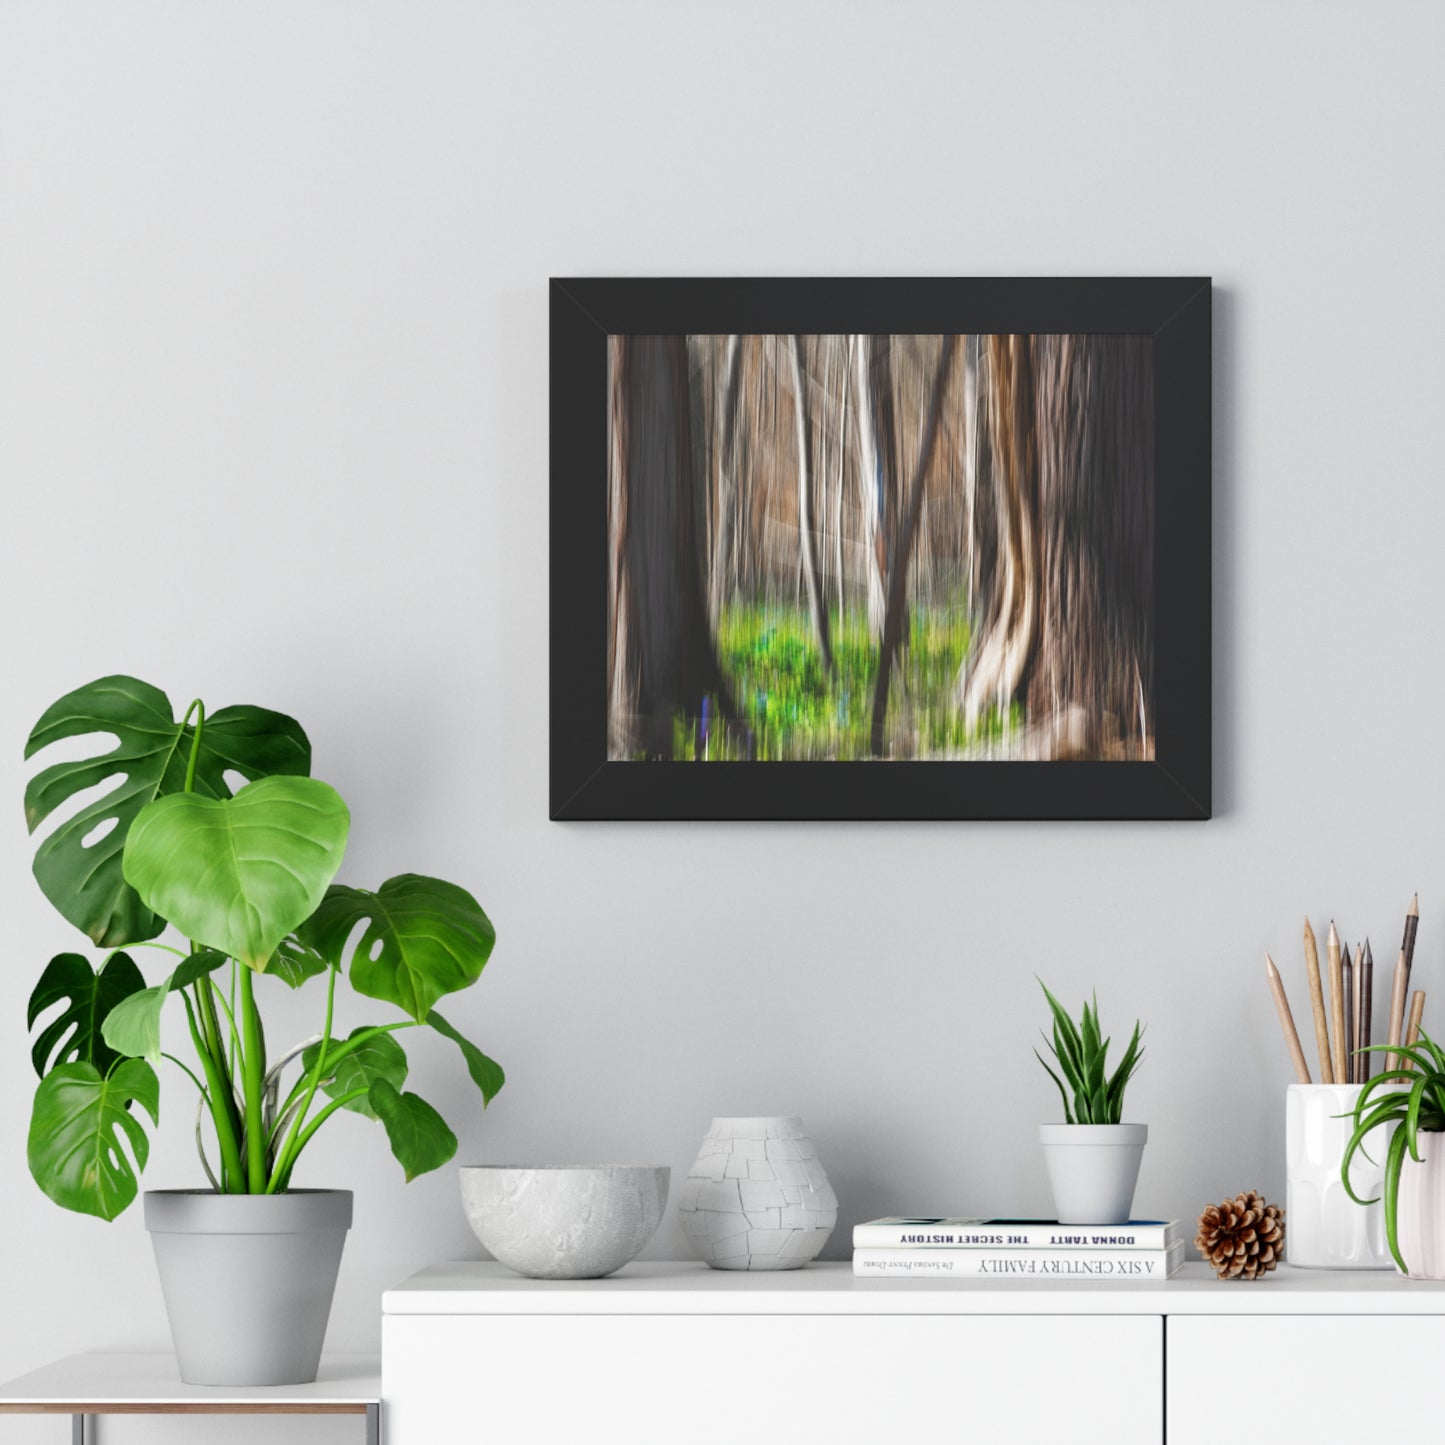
1357	1038
1367	1012
1286	1021
1407	944
1317	1003
1335	965
1412	1032
1397	1011
1347	1033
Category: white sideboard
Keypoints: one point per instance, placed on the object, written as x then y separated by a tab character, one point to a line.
664	1353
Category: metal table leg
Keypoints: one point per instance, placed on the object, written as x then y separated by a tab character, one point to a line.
373	1425
80	1434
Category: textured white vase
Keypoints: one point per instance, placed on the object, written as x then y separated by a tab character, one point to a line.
1093	1169
1420	1227
1324	1227
757	1197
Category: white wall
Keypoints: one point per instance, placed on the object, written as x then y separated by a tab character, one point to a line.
273	407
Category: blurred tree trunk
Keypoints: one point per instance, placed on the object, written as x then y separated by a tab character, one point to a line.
1064	535
721	572
875	456
807	529
663	661
839	567
896	615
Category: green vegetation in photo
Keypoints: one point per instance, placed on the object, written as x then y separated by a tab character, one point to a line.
793	711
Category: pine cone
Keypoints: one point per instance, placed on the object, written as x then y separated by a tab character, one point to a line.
1242	1237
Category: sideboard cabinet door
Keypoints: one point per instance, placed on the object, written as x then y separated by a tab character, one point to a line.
739	1380
1315	1378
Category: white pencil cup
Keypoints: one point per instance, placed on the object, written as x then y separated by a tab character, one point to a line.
1324	1227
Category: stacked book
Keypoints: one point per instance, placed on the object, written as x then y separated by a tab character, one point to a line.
1143	1249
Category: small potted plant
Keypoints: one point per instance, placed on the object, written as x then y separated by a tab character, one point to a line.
248	1266
1092	1157
1408	1102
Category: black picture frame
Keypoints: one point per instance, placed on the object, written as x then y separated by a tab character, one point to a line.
584	784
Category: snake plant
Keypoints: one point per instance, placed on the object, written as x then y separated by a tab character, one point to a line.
1081	1052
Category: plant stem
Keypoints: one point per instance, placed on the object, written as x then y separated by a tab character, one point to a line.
253	1075
317	1072
211	1029
315	1124
188	1073
362	1036
220	1095
198	708
230	1013
164	947
235	1042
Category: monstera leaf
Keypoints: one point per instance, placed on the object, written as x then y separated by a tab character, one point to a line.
133	1028
294	962
486	1073
202	962
238	874
78	1129
418	1135
90	997
379	1057
151	754
424	938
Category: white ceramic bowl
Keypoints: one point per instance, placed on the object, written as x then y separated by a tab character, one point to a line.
566	1221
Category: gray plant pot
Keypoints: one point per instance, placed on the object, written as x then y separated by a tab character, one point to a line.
248	1280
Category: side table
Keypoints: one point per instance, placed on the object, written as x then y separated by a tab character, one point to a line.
84	1386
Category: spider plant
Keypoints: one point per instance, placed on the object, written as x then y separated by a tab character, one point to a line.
1081	1052
1418	1109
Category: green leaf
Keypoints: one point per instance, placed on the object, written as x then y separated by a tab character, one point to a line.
1394	1159
78	1130
239	874
377	1057
486	1073
204	961
91	996
294	962
1068	1047
133	1028
419	1135
152	750
1090	1034
1435	1050
423	938
1068	1113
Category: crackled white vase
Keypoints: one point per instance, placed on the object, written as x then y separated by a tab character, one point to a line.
757	1196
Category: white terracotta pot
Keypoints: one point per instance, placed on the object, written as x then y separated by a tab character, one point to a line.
1324	1227
1420	1225
1093	1169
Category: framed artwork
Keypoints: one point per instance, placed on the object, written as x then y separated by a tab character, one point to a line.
876	548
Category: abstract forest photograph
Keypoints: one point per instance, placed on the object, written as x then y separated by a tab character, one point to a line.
887	547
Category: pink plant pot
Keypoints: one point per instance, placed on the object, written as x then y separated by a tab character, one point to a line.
1421	1222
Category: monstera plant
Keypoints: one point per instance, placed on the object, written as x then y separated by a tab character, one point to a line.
245	877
